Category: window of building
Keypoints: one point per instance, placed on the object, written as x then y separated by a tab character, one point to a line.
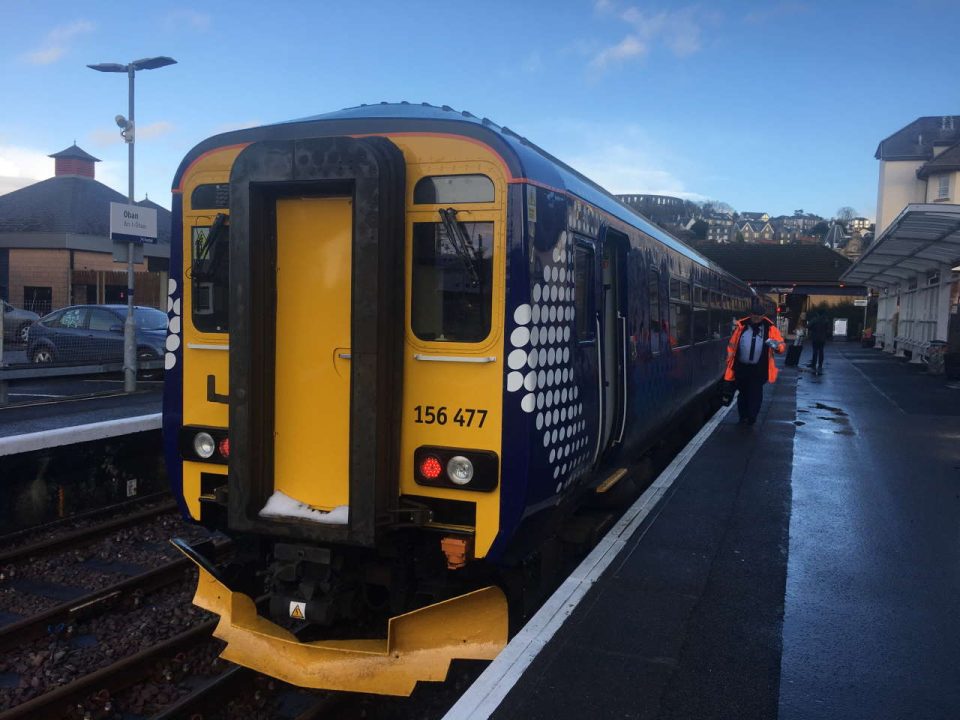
584	307
943	187
38	299
452	281
443	189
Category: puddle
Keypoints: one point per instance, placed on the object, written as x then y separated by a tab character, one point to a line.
798	423
835	410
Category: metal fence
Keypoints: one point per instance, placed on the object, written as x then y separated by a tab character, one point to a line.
46	337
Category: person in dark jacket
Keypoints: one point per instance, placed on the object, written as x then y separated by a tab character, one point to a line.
819	329
750	363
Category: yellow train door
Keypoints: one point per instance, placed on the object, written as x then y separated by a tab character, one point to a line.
312	353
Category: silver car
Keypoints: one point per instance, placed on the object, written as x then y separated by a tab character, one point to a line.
16	323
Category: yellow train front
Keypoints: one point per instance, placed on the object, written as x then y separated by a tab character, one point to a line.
397	334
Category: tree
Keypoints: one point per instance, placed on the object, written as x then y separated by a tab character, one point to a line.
699	229
846	214
740	237
819	230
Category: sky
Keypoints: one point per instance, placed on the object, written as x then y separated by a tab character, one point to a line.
773	107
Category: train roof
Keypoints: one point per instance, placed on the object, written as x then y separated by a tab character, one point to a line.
523	158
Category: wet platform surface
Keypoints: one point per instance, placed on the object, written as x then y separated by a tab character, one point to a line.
805	567
61	413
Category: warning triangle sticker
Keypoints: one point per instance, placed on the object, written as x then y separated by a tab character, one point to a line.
296	610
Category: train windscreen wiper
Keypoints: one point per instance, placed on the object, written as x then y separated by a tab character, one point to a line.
209	261
461	243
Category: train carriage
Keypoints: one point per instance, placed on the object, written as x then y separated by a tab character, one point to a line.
399	336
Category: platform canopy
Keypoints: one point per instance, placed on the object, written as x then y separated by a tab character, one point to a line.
923	237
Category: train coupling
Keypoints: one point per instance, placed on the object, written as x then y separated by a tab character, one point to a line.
419	645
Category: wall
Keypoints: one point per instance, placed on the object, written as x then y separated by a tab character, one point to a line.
898	187
43	268
933	189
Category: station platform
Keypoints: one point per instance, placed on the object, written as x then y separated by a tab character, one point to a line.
805	567
68	420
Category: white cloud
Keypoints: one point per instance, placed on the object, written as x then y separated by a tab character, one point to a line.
22	166
105	138
677	30
627	48
190	19
154	130
57	41
622	159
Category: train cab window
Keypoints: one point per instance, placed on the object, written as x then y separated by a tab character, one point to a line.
452	280
209	275
584	307
444	189
656	319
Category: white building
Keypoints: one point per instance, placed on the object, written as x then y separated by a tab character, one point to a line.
914	263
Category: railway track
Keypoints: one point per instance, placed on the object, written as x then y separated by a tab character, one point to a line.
79	537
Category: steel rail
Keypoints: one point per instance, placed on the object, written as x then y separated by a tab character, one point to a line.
121	674
9	538
36	626
90	534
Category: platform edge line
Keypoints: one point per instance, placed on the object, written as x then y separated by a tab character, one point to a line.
486	693
73	434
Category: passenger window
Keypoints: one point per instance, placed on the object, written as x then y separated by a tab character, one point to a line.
72	318
679	312
453	189
679	324
584	307
103	320
452	280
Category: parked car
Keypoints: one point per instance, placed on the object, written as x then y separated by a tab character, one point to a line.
88	334
17	322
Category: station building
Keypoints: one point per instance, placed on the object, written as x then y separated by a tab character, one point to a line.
914	263
55	246
795	277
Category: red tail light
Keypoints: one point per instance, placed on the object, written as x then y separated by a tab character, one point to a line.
430	467
224	447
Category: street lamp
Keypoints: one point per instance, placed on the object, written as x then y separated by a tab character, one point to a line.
128	130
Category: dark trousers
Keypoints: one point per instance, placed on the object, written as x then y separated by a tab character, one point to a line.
750	380
817	360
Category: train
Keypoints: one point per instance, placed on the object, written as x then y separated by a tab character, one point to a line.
404	340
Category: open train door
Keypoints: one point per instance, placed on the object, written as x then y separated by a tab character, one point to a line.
317	312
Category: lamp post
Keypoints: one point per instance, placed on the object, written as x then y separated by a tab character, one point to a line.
128	130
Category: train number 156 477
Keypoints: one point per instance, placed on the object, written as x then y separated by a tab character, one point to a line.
464	417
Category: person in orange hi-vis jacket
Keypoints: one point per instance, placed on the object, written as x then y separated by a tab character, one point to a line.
750	363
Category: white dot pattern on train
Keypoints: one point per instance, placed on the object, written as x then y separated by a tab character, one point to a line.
173	325
541	371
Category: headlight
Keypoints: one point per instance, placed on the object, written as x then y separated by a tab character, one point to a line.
460	470
203	445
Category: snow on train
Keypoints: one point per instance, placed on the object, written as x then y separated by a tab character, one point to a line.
400	338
